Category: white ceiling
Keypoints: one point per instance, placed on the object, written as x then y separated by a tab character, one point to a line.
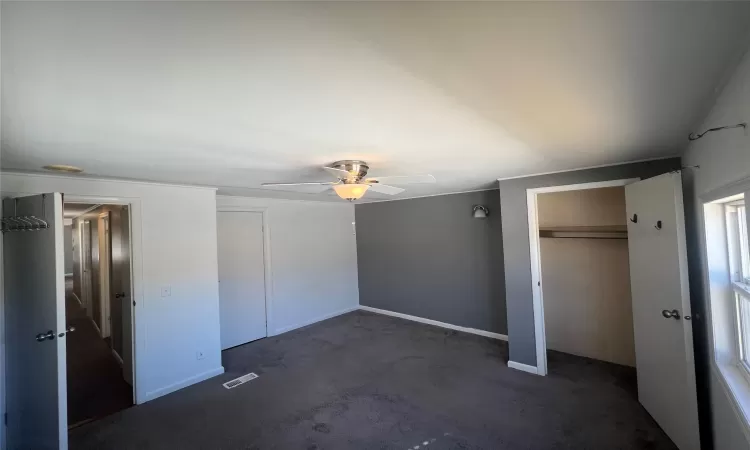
235	94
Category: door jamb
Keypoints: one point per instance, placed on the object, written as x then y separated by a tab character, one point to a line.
536	262
267	275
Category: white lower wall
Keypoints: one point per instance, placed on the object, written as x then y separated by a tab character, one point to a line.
174	245
313	259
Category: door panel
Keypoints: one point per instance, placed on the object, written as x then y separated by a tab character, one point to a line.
126	299
34	275
96	306
659	282
115	309
77	290
86	267
242	294
105	276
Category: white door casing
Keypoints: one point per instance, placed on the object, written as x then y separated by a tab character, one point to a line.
34	275
659	282
242	292
537	283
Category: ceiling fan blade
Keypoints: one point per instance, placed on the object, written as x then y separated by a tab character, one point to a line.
404	179
385	189
338	173
313	183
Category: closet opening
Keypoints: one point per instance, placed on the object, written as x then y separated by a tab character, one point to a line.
579	253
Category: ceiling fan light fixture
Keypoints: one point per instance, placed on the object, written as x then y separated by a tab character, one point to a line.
351	191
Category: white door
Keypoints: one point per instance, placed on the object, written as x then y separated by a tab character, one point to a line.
126	297
105	272
661	306
86	265
34	275
242	291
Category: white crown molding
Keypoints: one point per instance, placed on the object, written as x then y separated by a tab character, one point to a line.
601	166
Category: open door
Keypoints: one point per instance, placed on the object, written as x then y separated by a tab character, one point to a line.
122	302
34	274
661	306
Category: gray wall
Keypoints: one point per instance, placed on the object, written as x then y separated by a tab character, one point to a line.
515	231
430	258
724	158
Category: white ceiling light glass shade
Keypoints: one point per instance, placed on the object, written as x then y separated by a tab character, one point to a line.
351	191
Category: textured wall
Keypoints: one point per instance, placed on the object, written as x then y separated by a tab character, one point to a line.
430	258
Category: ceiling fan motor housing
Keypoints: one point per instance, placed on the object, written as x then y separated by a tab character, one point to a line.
357	170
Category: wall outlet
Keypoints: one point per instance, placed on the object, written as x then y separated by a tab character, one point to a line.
199	354
166	291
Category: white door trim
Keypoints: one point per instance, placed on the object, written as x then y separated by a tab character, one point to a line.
536	262
267	273
138	326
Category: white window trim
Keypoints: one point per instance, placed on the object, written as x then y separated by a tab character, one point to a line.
743	290
731	375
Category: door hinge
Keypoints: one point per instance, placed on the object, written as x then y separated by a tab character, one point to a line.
133	302
538	283
5	419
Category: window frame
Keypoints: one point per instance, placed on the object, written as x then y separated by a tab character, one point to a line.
738	255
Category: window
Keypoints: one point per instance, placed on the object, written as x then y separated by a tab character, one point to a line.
738	248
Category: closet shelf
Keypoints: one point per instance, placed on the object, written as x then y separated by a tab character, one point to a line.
600	232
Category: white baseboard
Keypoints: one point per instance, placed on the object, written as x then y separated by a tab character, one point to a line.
181	384
117	357
79	300
96	327
436	323
523	367
312	321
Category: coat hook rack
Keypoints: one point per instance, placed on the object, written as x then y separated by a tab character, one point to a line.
634	219
658	225
24	223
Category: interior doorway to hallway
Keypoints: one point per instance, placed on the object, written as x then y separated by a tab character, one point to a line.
99	308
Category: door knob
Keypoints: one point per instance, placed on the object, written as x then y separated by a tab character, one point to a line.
674	314
67	330
120	295
48	336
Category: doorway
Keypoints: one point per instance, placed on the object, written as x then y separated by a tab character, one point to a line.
660	322
98	307
241	241
584	264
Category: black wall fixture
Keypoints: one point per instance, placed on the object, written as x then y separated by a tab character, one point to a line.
695	137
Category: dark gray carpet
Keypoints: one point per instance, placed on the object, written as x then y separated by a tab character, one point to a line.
96	387
365	381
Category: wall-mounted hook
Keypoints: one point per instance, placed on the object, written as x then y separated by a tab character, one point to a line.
658	225
634	219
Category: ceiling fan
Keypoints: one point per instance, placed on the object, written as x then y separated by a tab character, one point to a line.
351	184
